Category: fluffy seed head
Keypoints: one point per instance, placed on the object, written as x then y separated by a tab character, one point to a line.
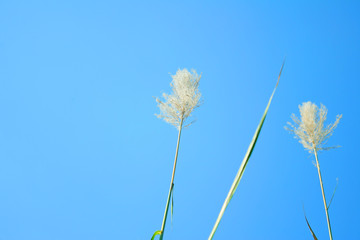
310	128
178	106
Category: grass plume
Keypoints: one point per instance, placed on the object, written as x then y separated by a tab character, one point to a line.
312	133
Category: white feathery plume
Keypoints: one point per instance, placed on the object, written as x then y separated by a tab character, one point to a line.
178	106
310	129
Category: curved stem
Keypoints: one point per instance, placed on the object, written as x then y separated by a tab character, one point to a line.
323	194
171	183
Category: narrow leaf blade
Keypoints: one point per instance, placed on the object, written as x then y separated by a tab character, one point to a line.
172	205
337	183
155	233
312	232
245	161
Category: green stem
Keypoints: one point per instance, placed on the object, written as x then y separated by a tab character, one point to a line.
323	194
171	183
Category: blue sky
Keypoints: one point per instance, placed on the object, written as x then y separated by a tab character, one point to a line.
82	155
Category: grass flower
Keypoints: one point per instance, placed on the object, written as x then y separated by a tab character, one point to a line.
311	130
312	133
178	106
175	109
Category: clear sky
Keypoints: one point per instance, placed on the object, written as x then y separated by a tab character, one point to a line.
82	155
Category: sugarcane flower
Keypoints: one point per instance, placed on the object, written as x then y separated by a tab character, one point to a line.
310	129
185	97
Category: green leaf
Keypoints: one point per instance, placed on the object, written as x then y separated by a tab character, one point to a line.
307	222
244	162
155	233
172	205
312	232
337	183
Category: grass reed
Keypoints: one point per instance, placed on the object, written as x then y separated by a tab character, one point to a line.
312	133
175	109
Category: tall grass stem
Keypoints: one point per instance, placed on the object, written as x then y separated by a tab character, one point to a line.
323	194
171	183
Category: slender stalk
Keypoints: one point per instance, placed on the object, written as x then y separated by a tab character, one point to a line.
171	183
323	194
